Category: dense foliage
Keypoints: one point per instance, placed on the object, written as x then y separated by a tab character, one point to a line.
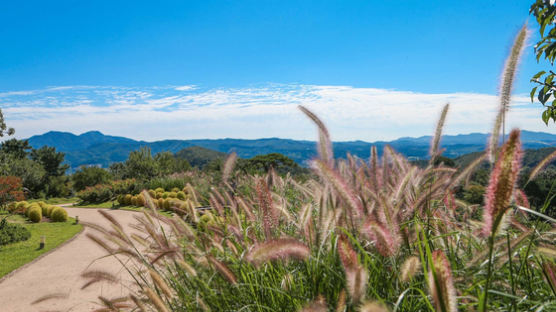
545	12
89	176
12	233
10	190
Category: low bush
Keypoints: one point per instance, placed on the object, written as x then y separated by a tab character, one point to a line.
140	202
121	199
134	200
21	207
32	207
59	214
127	199
166	204
181	195
49	209
12	233
96	194
160	203
35	214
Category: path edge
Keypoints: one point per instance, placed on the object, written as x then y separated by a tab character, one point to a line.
5	277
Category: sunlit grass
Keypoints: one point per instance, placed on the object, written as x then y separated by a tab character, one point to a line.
15	255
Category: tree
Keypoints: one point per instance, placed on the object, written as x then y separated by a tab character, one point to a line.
4	130
55	183
50	160
10	190
168	163
545	12
17	148
262	163
140	165
89	176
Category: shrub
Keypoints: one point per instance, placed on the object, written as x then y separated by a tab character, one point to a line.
158	195
59	214
167	204
152	193
35	214
12	233
173	195
12	207
21	206
49	209
175	190
140	202
11	189
181	195
134	200
160	203
44	208
165	195
121	199
159	190
96	194
127	199
32	207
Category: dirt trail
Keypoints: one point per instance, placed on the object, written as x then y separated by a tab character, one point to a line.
59	272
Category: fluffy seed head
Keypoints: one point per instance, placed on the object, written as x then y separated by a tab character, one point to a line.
501	185
441	284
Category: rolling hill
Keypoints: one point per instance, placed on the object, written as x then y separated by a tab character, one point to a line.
95	148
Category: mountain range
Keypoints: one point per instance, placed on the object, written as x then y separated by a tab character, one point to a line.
95	148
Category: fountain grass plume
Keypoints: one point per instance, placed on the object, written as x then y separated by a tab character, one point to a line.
356	274
435	143
508	77
277	249
325	144
441	284
501	185
541	165
229	166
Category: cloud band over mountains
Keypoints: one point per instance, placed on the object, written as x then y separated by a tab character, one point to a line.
191	112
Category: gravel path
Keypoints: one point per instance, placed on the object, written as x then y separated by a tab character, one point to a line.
59	272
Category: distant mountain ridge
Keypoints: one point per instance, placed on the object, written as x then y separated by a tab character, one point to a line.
95	148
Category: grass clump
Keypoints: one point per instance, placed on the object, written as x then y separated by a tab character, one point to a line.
361	235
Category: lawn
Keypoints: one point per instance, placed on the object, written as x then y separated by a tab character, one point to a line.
56	200
15	255
115	205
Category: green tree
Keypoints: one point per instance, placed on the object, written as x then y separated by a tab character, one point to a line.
51	160
262	164
55	183
545	12
141	165
15	147
89	176
4	130
168	163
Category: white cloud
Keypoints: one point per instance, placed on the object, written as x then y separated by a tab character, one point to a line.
270	111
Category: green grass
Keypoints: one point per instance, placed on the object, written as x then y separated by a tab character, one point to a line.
15	255
56	200
115	205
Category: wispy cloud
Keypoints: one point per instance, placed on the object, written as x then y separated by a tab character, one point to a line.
188	112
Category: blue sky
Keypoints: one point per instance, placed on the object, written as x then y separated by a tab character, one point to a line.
78	65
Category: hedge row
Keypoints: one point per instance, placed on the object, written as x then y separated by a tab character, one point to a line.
35	211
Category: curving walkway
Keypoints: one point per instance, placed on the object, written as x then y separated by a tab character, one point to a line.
59	272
